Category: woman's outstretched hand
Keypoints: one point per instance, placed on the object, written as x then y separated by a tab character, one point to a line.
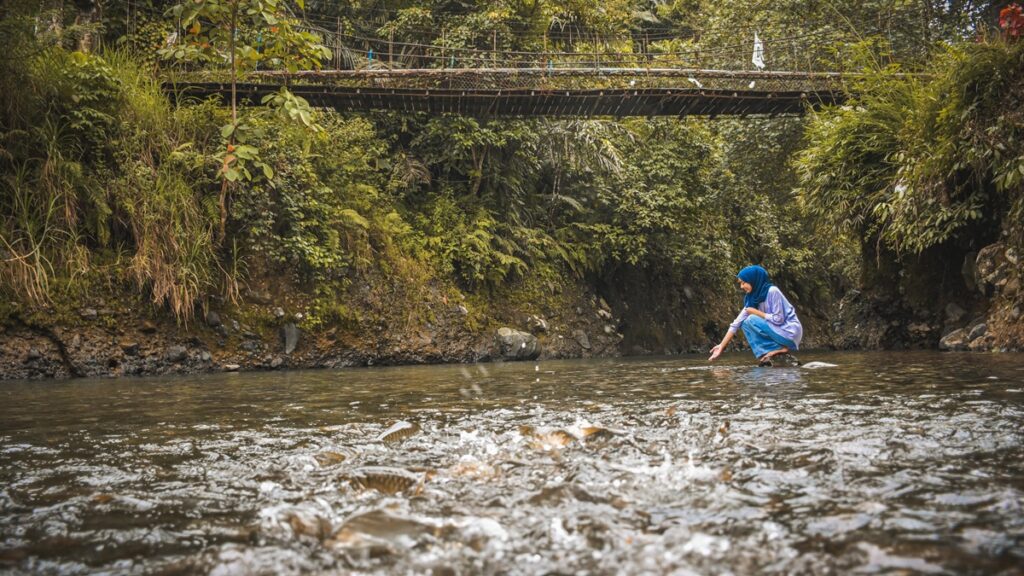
715	353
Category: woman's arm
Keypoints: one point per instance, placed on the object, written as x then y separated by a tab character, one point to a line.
774	312
717	350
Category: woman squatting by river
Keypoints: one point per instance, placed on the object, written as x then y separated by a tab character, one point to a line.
768	320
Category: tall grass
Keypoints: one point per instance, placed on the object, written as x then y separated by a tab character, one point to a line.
95	157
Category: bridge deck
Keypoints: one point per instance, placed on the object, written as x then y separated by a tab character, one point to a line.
616	102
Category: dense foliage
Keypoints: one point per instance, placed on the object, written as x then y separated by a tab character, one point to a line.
915	162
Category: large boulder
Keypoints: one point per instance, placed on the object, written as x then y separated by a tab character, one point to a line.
954	313
516	345
991	265
290	335
955	340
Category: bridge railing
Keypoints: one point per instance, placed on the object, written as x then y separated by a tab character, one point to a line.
804	52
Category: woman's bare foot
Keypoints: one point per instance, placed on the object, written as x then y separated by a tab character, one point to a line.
766	360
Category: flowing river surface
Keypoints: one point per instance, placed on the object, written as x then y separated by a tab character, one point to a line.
880	463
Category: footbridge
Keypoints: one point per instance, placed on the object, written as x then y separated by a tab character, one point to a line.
368	73
539	91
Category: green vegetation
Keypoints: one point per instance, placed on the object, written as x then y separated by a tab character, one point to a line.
184	201
923	164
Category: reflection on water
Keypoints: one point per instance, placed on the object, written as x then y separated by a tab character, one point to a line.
898	462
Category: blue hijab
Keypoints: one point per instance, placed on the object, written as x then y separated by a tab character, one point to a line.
758	278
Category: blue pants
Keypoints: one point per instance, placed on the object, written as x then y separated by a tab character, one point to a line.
762	338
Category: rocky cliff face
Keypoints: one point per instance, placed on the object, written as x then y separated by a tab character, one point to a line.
981	311
997	278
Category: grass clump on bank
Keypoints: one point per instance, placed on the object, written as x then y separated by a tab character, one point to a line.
97	161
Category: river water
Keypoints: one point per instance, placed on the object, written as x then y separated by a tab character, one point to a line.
883	463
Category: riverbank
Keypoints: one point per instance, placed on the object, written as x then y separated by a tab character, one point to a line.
146	237
117	332
121	334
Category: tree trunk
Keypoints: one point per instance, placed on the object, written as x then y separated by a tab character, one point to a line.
223	200
86	16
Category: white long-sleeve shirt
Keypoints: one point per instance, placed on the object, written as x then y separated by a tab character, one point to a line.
780	315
